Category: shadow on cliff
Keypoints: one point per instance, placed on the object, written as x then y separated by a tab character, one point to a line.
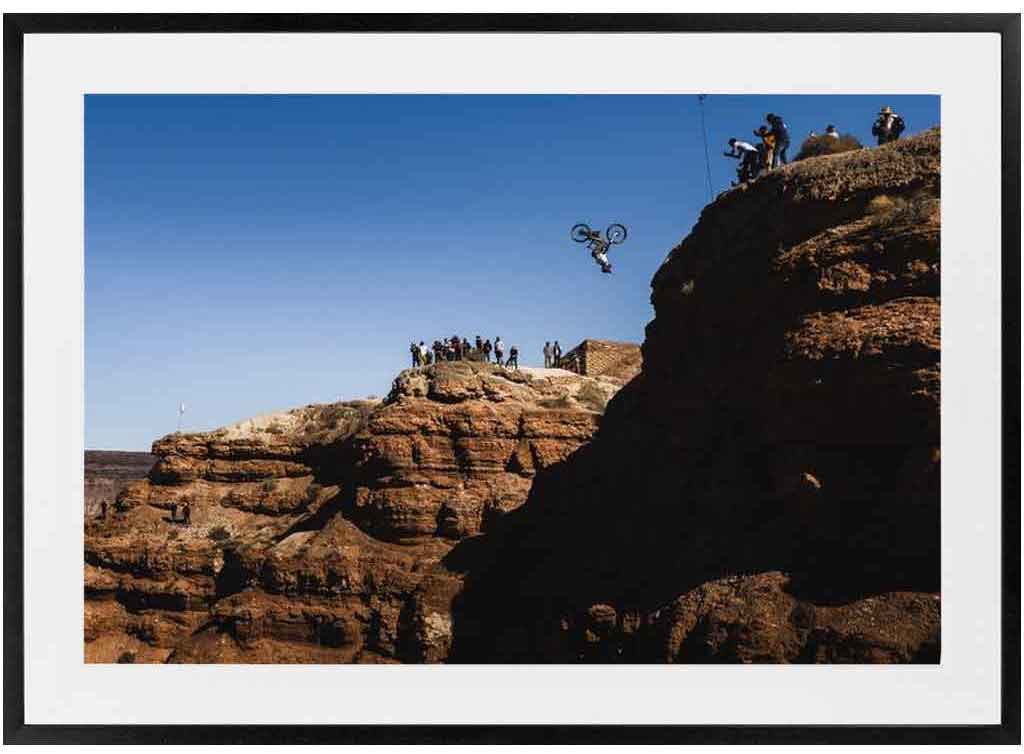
644	513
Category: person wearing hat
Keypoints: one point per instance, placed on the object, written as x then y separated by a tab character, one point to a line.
830	131
888	127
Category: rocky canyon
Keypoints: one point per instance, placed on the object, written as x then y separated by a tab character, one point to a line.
763	487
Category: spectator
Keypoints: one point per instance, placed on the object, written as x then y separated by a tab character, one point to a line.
556	354
186	513
499	350
513	358
766	149
415	351
830	131
479	344
174	511
438	352
487	351
465	348
888	127
748	156
103	509
781	133
547	354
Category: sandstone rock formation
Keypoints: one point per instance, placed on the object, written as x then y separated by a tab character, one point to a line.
766	490
786	421
310	529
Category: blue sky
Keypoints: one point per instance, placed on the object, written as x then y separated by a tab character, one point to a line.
245	254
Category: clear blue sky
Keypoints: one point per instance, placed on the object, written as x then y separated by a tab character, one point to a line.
251	253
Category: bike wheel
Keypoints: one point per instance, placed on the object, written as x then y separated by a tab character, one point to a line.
580	232
616	233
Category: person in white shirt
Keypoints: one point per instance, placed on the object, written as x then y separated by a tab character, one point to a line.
499	350
831	132
423	353
547	354
747	154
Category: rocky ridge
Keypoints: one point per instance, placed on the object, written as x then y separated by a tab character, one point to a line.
311	528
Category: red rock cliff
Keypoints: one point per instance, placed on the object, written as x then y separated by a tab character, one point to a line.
311	528
768	488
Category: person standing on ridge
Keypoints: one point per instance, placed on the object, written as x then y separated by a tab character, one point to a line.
888	127
186	513
513	358
767	148
499	350
415	351
479	345
547	354
465	348
103	509
781	133
487	351
556	355
830	131
174	511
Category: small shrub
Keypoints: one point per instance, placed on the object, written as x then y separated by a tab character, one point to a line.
268	485
172	535
881	205
815	146
903	210
219	534
126	658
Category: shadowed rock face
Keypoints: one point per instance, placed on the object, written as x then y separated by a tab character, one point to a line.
786	420
766	490
311	528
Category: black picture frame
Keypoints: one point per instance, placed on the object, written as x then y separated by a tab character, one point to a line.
16	26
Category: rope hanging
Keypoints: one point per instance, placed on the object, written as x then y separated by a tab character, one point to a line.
707	158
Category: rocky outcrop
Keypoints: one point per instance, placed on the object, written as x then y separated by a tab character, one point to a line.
310	529
786	422
106	474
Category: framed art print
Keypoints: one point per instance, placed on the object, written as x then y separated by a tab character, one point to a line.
531	373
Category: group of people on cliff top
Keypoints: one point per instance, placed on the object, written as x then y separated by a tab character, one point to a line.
771	151
457	348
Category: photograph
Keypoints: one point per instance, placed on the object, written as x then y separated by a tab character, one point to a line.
510	379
